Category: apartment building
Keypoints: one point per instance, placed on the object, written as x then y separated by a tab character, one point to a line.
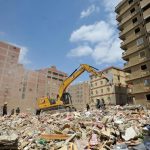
54	79
21	87
9	56
40	83
114	93
80	94
134	25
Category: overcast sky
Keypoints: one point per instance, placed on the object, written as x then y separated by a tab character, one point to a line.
64	33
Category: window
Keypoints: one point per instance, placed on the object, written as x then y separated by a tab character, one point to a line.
91	85
95	83
147	82
139	41
23	96
148	96
101	90
142	54
143	67
118	78
96	92
134	20
108	89
137	30
132	10
130	1
101	82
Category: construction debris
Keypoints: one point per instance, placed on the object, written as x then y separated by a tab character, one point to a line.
115	128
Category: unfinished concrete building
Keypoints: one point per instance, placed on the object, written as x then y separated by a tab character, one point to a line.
134	25
114	93
80	94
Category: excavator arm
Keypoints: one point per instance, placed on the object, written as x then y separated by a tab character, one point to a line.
77	73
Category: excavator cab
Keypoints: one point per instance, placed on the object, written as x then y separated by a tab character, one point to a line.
66	98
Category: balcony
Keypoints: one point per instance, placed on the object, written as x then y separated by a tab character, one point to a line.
147	89
121	3
148	27
131	38
128	77
146	13
132	77
124	9
130	27
144	3
145	73
129	17
143	59
126	65
123	54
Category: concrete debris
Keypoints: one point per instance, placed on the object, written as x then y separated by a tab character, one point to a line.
115	128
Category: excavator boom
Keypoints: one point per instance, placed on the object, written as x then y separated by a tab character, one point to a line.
77	73
63	98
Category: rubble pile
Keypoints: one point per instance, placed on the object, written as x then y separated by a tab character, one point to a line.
115	128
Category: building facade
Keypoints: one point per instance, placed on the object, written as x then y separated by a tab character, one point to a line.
20	87
80	94
9	56
54	78
134	25
115	92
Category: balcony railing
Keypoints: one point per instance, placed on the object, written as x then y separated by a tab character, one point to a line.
129	17
144	3
130	27
123	54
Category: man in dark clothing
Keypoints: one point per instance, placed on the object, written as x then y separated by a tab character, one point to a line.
87	107
38	111
98	104
17	110
5	109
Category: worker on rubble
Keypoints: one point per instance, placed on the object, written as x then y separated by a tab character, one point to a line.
98	103
87	107
102	104
38	111
5	109
17	110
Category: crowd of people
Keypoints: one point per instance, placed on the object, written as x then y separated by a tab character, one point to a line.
13	111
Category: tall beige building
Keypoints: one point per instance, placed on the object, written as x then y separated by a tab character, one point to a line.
80	94
114	93
134	25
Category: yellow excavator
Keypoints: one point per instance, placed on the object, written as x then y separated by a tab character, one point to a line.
63	98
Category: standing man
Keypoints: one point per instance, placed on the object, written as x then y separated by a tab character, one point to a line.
5	109
87	107
17	110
